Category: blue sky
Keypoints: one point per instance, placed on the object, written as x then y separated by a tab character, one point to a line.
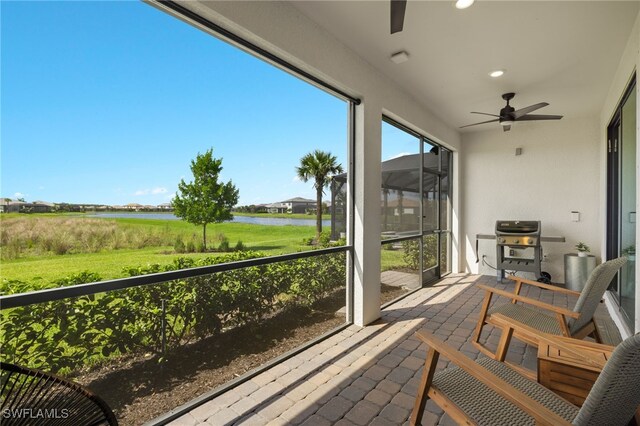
108	102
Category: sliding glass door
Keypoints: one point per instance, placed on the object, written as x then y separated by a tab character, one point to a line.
621	201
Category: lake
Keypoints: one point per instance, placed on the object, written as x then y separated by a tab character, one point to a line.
254	220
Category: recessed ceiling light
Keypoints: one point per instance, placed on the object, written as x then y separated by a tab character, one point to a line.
400	57
496	73
463	4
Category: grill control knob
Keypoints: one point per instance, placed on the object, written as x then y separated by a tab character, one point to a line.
529	241
501	240
516	241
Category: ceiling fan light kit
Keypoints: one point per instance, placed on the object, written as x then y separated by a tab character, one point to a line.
496	73
463	4
509	115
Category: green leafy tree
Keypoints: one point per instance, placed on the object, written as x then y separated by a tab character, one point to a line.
205	200
319	166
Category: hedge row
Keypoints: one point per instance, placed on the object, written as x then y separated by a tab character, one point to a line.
65	335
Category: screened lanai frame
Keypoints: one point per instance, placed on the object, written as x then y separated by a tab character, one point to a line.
431	180
49	295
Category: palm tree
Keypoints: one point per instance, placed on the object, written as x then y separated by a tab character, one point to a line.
320	166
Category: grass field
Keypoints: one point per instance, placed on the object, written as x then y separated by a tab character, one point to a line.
37	264
142	241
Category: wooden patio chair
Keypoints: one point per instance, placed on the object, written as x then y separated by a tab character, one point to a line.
577	323
488	392
29	397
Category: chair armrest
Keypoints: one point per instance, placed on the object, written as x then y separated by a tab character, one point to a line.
542	285
573	346
540	413
533	302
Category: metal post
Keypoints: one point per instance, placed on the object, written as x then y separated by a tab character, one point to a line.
164	328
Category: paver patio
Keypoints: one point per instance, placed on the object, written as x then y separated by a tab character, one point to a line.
368	375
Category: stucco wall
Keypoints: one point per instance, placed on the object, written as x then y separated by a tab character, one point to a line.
556	173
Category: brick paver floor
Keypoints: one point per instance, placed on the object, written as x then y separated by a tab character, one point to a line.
368	375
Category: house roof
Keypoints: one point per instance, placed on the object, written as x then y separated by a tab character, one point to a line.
298	200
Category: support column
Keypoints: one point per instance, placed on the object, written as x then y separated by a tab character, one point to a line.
366	233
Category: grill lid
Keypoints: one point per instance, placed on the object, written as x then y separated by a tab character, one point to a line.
518	226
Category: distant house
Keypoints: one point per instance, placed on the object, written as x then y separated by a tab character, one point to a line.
299	204
134	206
165	206
276	208
10	206
42	207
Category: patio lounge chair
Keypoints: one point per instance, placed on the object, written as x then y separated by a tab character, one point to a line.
30	397
488	392
580	322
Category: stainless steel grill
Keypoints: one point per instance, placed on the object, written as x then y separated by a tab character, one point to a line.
518	247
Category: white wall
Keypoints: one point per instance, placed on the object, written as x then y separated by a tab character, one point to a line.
557	173
629	63
282	30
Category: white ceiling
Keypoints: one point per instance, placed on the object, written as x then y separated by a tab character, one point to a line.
561	52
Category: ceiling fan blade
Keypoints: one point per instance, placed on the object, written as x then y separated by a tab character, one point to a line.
475	124
521	112
485	113
506	128
535	117
398	8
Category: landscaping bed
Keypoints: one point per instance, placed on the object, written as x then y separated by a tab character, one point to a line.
143	388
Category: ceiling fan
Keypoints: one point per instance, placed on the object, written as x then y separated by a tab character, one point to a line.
397	15
508	114
398	8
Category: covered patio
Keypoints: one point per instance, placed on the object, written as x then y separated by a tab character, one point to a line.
577	176
370	375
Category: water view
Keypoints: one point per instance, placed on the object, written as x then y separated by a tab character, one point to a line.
254	220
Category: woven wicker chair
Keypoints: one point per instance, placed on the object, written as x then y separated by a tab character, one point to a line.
580	322
488	392
29	397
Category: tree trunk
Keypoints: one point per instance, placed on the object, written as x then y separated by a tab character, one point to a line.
318	214
204	236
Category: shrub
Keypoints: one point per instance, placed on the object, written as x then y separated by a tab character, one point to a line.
411	255
325	238
239	246
179	246
67	334
191	247
224	246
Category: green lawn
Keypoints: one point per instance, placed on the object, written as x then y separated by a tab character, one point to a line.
392	259
109	263
284	215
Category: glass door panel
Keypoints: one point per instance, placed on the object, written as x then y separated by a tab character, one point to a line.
621	201
627	149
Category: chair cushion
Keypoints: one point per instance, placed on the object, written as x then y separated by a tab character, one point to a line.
486	407
531	317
